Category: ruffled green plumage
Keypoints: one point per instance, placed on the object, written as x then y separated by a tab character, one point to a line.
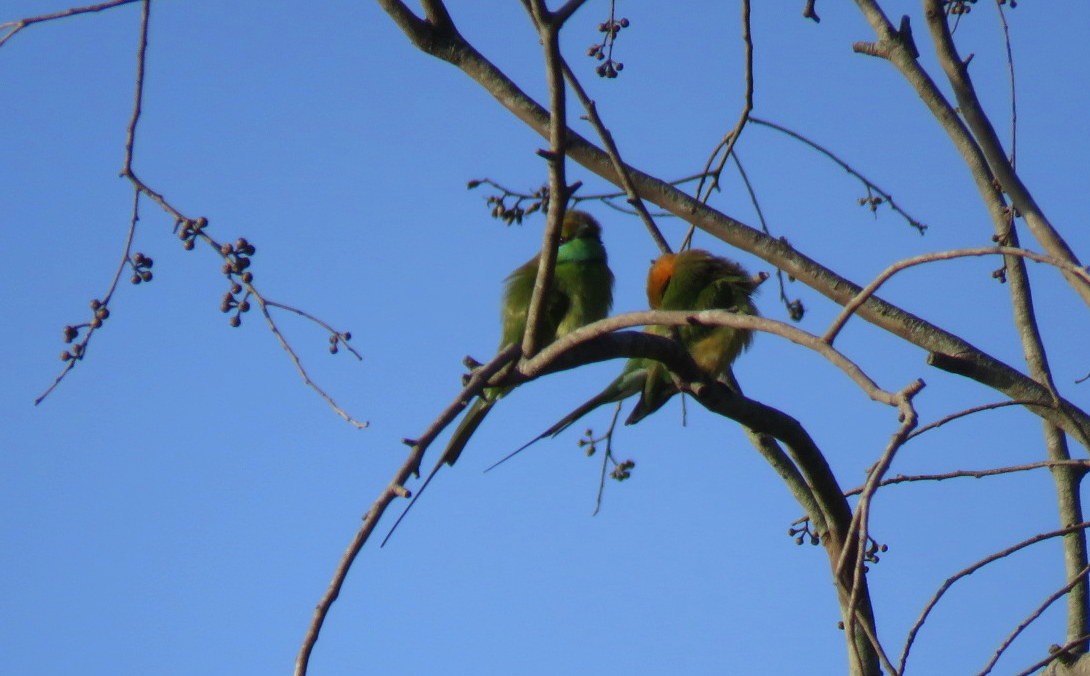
696	280
691	280
581	293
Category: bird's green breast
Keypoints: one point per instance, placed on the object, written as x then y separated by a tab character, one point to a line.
579	250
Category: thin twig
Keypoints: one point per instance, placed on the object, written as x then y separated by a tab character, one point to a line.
868	291
1010	71
264	305
972	569
135	214
860	524
395	489
340	336
977	473
870	185
606	458
794	307
965	473
138	94
969	411
79	350
615	157
14	27
726	145
1056	654
1029	620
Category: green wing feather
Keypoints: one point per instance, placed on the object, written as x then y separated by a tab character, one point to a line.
701	281
581	293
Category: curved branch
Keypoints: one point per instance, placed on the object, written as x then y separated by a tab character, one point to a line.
1075	528
14	27
615	156
452	47
870	185
726	145
395	489
869	290
1057	654
563	354
1033	616
957	72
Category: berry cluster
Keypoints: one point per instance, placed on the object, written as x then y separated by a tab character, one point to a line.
231	302
335	338
141	268
189	230
872	202
236	261
538	201
804	534
871	553
603	51
623	471
101	313
589	441
795	310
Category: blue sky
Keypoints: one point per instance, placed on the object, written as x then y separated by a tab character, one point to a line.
179	503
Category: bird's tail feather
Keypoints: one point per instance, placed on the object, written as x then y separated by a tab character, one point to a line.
605	397
469	424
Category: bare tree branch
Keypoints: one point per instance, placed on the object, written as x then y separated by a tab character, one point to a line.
1082	465
615	156
452	47
395	489
235	259
969	411
957	72
860	524
870	185
559	191
13	27
851	306
731	139
972	569
1010	73
1029	620
1057	653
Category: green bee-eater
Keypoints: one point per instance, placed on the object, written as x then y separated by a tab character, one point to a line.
691	280
697	280
581	293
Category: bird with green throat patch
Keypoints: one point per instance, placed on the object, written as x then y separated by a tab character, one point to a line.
692	280
581	293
